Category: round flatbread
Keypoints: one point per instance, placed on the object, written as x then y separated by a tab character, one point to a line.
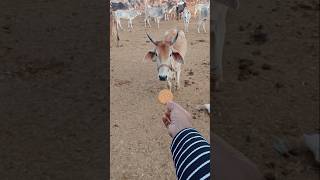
165	95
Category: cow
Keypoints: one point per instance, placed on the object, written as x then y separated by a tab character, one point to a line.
126	14
118	6
220	8
179	8
199	6
172	12
134	4
168	7
203	16
169	54
153	12
186	16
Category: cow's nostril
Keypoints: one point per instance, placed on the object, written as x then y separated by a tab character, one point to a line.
163	78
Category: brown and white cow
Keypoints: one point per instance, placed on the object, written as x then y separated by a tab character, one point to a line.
169	54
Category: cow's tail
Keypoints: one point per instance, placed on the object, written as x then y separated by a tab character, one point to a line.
118	39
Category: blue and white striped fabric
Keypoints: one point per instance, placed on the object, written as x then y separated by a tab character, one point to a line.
191	155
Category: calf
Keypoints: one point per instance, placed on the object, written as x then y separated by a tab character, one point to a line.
153	12
126	14
169	54
186	19
203	17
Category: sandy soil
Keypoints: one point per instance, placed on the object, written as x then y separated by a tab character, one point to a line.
271	84
139	141
53	90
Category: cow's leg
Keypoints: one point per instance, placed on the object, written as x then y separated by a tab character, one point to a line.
187	26
149	22
120	25
131	24
178	78
145	22
158	21
199	24
169	85
219	29
204	26
117	24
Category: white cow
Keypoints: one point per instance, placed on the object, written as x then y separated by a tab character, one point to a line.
126	14
186	16
203	16
153	12
198	7
169	54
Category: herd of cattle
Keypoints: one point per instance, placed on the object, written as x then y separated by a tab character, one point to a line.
166	11
169	53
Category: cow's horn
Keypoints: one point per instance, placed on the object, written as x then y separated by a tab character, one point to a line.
175	38
151	39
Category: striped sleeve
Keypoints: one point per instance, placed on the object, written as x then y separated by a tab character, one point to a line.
191	155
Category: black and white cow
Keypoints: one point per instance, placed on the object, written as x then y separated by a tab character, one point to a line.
179	9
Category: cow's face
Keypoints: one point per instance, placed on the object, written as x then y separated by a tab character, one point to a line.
164	56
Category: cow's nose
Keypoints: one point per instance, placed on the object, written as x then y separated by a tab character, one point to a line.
163	78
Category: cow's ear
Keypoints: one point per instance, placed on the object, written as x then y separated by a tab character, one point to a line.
177	57
150	56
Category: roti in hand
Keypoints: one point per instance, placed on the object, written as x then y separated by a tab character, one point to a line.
165	96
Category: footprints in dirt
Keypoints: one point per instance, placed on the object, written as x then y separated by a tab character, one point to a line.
38	70
247	69
189	82
304	6
258	35
6	29
197	42
119	82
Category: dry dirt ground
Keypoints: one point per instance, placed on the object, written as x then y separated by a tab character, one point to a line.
271	84
139	141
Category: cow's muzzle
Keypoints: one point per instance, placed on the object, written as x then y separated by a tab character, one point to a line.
163	78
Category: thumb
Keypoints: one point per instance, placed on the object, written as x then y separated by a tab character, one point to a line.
170	105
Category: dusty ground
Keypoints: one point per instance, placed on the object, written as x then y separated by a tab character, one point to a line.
53	90
271	84
139	141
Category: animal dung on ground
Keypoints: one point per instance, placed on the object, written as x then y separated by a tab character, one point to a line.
165	96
